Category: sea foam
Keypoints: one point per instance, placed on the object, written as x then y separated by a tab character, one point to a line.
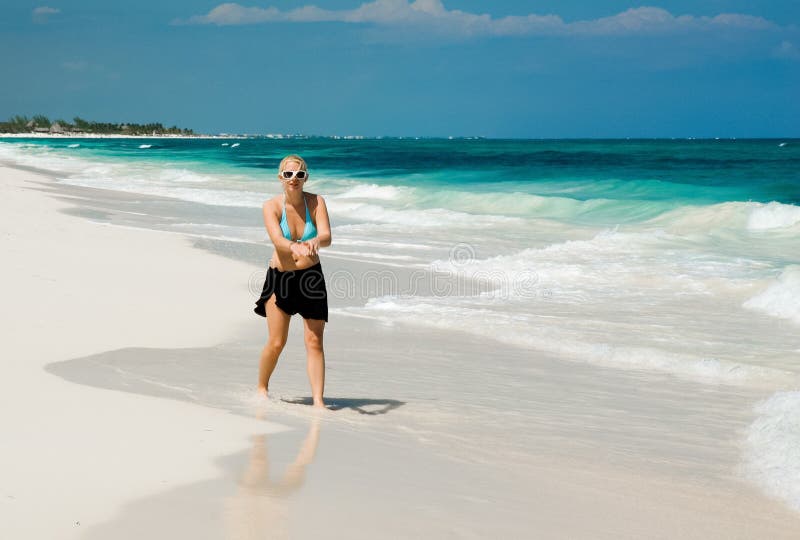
781	298
773	215
772	447
538	333
371	192
733	216
613	261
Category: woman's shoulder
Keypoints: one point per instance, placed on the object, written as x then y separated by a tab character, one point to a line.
313	198
274	202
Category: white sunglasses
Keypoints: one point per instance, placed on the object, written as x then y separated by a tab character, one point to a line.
288	175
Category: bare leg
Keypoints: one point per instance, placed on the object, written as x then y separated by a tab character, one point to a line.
315	363
278	325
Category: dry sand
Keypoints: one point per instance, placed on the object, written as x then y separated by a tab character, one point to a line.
71	455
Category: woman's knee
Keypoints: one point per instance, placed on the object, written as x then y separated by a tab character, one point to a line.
313	341
276	344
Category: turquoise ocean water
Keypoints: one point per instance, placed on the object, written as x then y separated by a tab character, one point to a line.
680	257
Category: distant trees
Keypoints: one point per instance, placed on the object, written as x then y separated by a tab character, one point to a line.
81	124
15	124
23	124
41	121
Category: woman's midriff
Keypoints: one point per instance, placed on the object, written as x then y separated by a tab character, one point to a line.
287	263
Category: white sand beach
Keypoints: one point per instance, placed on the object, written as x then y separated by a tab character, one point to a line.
129	354
72	454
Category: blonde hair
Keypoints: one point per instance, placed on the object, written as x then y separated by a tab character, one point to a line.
297	159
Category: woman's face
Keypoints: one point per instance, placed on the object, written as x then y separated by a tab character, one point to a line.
294	183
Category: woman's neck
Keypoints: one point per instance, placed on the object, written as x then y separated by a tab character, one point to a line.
294	197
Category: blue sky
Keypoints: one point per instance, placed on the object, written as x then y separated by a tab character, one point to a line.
715	68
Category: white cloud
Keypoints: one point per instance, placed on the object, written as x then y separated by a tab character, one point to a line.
230	14
41	13
75	65
45	10
787	49
433	13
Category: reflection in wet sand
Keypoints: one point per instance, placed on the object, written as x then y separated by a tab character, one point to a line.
260	507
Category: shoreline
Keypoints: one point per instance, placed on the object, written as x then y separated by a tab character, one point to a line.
110	136
279	136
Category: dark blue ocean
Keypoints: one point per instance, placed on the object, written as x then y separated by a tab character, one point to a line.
703	171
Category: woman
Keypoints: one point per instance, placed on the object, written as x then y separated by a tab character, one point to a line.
298	225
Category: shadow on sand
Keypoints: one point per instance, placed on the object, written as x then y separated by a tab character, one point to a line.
218	377
361	405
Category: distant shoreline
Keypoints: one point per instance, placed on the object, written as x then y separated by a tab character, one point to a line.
110	136
384	137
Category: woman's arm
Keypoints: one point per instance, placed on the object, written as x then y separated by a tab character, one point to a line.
323	238
323	223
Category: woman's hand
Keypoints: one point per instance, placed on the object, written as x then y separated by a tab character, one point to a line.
300	249
313	246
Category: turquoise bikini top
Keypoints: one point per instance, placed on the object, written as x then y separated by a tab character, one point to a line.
310	230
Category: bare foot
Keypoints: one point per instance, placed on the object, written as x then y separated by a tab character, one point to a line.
262	391
320	405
